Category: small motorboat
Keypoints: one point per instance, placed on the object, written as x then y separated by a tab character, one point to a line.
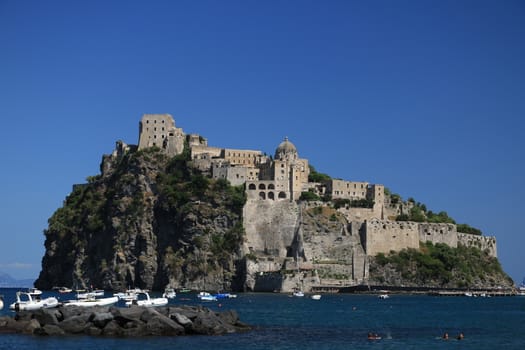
91	294
205	296
383	296
34	292
316	297
298	293
147	302
130	294
225	296
63	290
91	301
1	302
25	302
169	293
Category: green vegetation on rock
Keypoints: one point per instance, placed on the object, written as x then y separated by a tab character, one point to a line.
148	221
438	266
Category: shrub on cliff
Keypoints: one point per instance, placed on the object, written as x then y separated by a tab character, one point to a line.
439	265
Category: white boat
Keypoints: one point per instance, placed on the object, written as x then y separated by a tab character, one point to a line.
383	296
316	297
63	289
521	289
91	294
148	302
169	293
298	293
25	302
34	292
205	296
1	302
130	294
88	302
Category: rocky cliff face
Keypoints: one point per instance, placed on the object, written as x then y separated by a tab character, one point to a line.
147	221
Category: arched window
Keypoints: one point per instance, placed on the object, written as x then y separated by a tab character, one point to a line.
262	195
252	187
262	187
271	195
271	187
282	195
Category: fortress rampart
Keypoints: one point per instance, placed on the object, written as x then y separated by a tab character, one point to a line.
485	243
380	236
438	233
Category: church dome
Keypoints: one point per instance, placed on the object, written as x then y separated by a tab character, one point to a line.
284	149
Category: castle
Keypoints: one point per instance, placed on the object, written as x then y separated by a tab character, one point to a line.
273	215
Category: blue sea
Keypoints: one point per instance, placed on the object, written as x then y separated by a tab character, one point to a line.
337	321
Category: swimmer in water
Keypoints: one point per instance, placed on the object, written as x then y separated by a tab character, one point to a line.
460	336
445	336
373	336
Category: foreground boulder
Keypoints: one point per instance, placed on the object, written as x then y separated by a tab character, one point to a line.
136	321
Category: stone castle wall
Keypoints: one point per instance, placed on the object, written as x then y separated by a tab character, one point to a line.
380	236
439	233
485	243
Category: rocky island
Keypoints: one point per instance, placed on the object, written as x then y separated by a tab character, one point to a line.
174	211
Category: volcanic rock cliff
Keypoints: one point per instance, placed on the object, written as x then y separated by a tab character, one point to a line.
147	221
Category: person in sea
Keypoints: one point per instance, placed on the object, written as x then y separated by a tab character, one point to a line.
373	336
445	336
461	336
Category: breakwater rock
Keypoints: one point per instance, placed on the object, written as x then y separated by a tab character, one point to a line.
136	321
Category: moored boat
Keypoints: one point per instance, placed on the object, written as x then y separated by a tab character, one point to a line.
91	294
34	292
521	289
298	293
26	302
130	294
148	301
205	296
316	297
169	293
225	296
1	302
92	301
63	290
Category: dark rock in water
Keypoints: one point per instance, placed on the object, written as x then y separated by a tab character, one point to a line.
49	329
136	321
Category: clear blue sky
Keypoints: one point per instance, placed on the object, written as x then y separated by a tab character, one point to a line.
425	97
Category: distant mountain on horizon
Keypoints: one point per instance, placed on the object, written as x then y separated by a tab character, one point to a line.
7	281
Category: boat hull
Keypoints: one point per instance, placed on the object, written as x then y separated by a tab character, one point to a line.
92	302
